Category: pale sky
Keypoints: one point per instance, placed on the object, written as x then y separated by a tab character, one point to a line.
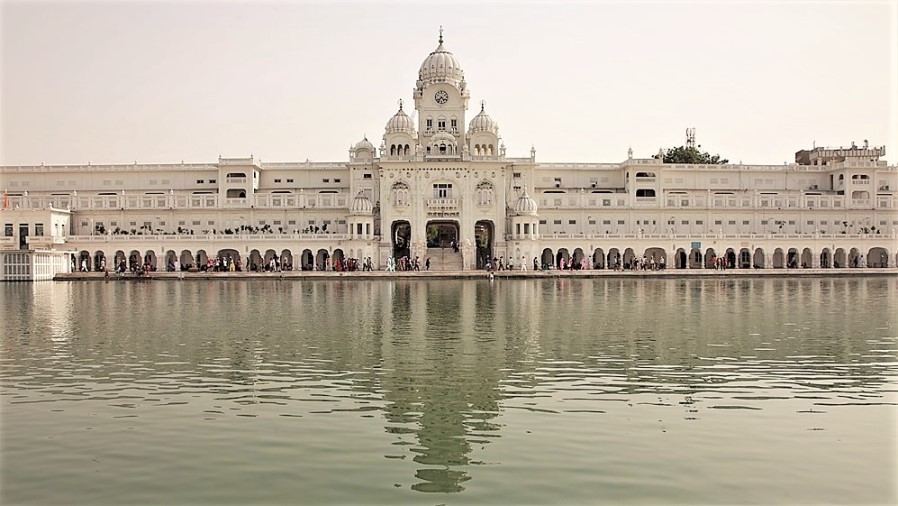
118	82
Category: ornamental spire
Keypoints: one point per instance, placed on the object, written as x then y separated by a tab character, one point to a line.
441	34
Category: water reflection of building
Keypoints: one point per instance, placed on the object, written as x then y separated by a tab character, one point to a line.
444	386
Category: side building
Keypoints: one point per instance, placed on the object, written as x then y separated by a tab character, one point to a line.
435	190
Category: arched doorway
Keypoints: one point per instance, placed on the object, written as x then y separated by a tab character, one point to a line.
878	257
484	238
779	260
170	258
84	262
598	259
134	260
121	263
826	258
338	260
286	260
759	259
99	260
149	259
269	256
577	259
442	234
840	259
562	256
807	258
229	257
202	260
629	257
730	258
854	258
710	258
655	258
401	237
681	258
547	259
792	258
255	262
186	260
307	260
744	259
614	259
695	258
322	260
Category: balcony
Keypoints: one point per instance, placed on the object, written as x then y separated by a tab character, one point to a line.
441	206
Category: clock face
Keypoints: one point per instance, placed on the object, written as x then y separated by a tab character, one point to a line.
441	97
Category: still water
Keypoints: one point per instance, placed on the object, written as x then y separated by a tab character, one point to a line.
450	392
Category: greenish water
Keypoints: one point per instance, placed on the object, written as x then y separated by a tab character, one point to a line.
567	391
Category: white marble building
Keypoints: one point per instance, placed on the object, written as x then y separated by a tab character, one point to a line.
433	182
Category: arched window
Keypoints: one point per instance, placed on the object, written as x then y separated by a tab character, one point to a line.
645	174
392	150
645	192
406	150
400	194
484	193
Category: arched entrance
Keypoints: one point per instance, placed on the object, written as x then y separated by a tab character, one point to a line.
202	260
681	259
339	261
826	258
655	258
170	258
120	261
134	260
562	256
744	259
695	258
577	259
854	258
730	257
307	260
710	258
778	259
99	260
269	256
598	259
286	260
792	258
629	257
547	259
228	257
186	260
322	260
84	262
149	259
401	237
807	258
254	261
759	259
878	257
484	238
614	259
839	258
442	234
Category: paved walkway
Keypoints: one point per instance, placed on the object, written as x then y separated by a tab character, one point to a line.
669	273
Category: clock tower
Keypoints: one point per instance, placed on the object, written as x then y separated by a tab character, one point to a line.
441	99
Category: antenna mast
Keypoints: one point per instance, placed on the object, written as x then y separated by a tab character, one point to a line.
690	138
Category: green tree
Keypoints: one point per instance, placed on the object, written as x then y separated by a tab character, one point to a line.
685	154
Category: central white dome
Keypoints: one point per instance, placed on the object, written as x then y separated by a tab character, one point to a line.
401	122
525	206
440	66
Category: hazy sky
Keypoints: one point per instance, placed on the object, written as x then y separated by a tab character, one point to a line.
163	82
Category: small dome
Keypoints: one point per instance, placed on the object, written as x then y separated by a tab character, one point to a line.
401	122
364	144
483	123
361	204
440	66
525	205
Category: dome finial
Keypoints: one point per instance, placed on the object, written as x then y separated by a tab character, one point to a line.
482	105
400	104
441	34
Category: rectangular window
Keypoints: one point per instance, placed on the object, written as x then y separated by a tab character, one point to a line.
429	123
291	222
810	222
572	222
337	180
210	222
107	182
556	222
620	222
745	222
455	124
211	181
684	222
699	222
289	179
541	222
195	222
7	230
592	222
718	222
165	181
441	124
731	222
200	181
277	180
606	222
366	176
442	191
326	180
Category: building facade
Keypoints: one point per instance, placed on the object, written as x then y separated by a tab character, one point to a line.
440	186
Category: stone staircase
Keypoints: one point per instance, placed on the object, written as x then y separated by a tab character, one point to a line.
443	259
